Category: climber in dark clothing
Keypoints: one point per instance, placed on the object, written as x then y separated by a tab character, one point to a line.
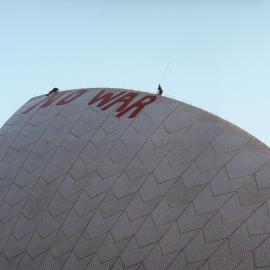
54	90
159	90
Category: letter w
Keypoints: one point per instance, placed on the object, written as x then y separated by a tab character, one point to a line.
104	98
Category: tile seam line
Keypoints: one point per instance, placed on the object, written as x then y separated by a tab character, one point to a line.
35	186
208	184
149	137
74	160
81	232
22	166
33	145
15	223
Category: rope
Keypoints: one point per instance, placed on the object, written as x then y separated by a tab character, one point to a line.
164	73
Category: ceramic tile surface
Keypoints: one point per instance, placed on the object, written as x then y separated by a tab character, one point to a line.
122	179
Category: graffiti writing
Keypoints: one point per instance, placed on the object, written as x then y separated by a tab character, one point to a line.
126	102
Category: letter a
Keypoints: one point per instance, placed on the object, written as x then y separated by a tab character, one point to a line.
126	99
139	105
104	99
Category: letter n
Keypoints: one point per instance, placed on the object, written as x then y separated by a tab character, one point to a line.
45	102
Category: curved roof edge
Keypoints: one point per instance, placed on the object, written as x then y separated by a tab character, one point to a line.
168	98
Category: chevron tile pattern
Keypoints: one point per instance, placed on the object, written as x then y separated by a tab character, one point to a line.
145	182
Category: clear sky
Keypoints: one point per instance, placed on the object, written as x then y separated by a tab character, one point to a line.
218	50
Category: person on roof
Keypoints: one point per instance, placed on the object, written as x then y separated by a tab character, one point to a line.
54	90
159	90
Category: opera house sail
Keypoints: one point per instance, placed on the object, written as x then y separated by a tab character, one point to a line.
119	179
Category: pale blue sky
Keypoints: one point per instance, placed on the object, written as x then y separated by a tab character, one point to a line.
219	52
